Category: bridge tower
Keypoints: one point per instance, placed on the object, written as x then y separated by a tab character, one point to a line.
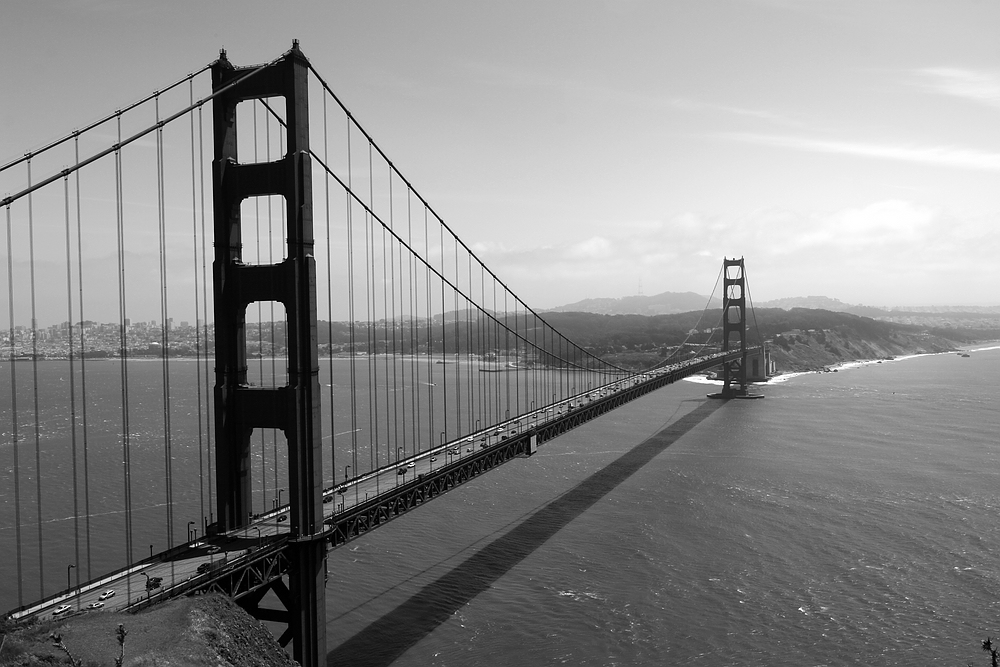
295	407
734	326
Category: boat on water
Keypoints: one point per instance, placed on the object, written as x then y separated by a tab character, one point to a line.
498	368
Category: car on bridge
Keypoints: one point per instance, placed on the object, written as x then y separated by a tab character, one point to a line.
110	593
95	605
61	609
214	549
400	471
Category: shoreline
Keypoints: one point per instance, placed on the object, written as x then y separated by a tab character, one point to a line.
983	346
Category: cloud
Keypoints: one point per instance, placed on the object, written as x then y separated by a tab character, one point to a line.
693	105
593	248
978	86
946	156
895	223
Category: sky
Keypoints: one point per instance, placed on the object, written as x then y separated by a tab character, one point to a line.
599	148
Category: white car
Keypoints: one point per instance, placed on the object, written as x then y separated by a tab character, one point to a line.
95	605
61	609
110	593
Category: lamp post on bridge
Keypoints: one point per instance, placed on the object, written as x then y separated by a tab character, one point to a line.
190	523
346	468
69	580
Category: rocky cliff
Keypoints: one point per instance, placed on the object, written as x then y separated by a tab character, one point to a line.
198	631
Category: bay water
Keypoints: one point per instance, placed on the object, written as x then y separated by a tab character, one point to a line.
847	518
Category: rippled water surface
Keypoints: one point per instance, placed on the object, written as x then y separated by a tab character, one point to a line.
847	518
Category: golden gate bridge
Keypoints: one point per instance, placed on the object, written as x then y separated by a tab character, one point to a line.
298	349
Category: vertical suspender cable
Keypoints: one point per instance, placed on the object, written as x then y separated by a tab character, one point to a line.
329	302
204	304
15	436
444	339
506	346
34	372
350	309
458	351
415	331
164	330
370	306
430	337
385	342
197	333
395	362
72	385
412	328
469	304
484	346
123	355
83	361
517	358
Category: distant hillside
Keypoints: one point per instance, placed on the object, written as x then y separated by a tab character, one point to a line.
947	317
802	339
823	303
658	304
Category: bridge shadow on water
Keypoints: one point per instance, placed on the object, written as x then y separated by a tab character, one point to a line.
389	637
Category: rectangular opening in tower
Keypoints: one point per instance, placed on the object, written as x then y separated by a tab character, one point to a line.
260	130
264	230
268	470
266	344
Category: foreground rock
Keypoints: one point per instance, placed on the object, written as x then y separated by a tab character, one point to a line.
196	631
